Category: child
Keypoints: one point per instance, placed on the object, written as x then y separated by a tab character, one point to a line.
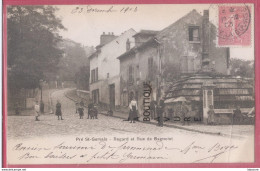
37	111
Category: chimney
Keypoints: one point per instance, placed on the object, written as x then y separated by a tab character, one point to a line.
205	41
106	38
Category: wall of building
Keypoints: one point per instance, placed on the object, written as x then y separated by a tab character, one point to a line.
176	47
109	66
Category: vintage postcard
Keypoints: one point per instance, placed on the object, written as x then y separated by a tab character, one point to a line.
130	84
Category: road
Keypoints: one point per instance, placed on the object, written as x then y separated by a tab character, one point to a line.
26	126
50	130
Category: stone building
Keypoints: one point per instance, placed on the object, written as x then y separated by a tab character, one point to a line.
104	67
184	49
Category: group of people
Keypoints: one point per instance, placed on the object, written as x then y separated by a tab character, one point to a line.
92	110
133	111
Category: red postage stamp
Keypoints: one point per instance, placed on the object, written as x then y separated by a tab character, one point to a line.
234	26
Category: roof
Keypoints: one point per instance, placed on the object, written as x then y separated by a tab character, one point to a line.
226	88
159	34
100	46
135	48
146	32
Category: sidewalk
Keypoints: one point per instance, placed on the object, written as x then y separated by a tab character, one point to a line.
238	131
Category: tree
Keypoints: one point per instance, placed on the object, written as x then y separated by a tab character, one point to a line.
32	44
82	78
243	68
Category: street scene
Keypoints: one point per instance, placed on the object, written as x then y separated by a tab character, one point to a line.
174	90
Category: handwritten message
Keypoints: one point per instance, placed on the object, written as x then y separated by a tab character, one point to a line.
120	150
109	9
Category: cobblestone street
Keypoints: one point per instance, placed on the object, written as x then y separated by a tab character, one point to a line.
26	126
49	130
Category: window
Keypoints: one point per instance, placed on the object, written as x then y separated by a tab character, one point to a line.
95	96
131	74
194	33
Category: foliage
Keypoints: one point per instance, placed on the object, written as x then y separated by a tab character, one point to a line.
32	44
82	78
73	59
243	68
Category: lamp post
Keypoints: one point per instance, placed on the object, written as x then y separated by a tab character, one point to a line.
41	103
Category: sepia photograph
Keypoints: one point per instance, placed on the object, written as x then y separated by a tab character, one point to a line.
130	84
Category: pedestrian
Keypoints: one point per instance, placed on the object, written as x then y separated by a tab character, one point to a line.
58	110
81	103
133	110
37	110
81	111
237	115
160	111
95	112
90	107
152	106
211	115
184	112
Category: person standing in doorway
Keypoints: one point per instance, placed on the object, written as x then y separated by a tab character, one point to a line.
58	110
37	111
133	110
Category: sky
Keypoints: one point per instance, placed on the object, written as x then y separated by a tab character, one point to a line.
86	23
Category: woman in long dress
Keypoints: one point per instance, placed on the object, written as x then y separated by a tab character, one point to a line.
133	110
211	113
58	110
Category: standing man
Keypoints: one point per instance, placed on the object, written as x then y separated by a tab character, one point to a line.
81	111
37	111
152	106
58	110
160	111
237	115
81	103
90	107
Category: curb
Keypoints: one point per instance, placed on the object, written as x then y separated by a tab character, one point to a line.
165	125
172	126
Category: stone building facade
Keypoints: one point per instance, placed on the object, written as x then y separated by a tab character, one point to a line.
105	68
186	47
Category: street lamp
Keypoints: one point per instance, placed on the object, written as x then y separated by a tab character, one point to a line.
41	103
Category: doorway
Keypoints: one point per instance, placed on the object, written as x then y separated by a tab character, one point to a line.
112	96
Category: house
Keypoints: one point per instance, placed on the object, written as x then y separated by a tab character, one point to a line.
186	48
105	67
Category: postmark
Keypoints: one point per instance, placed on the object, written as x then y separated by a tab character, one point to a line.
234	25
